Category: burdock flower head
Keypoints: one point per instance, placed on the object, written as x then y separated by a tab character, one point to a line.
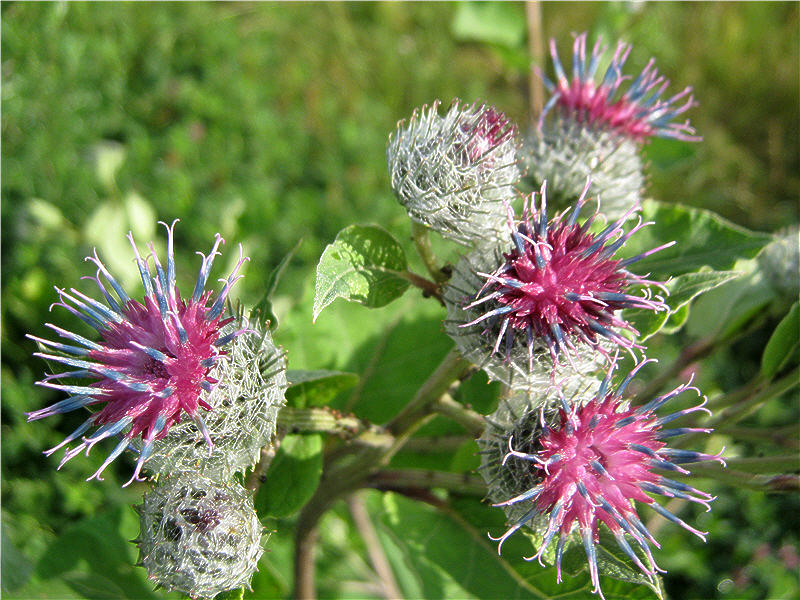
244	402
637	113
452	173
555	285
595	128
199	536
589	463
153	362
780	263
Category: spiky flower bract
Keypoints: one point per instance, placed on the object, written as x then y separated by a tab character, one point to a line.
520	417
780	263
566	153
638	113
251	382
520	365
199	536
559	285
593	463
152	365
453	172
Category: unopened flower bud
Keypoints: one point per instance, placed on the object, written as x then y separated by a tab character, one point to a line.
565	152
198	536
453	172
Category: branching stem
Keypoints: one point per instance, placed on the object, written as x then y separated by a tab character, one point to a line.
428	287
419	234
745	403
393	479
473	422
366	453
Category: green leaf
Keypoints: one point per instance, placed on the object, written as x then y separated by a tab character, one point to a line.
783	344
677	319
703	239
263	309
447	559
292	477
728	308
97	543
237	594
317	388
446	554
501	23
364	264
525	543
15	566
682	290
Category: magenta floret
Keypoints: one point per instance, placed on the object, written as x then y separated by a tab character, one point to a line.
561	284
154	360
594	463
638	113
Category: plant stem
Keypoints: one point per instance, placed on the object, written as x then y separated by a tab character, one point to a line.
257	475
749	404
451	369
362	521
393	479
363	456
692	354
473	422
787	437
340	478
786	482
306	420
419	234
322	420
445	443
428	287
752	396
766	464
688	355
533	13
304	563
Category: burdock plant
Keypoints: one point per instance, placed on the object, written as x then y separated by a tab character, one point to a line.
199	536
452	173
546	302
554	284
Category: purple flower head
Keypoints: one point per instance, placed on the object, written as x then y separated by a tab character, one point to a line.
593	463
638	113
153	362
561	284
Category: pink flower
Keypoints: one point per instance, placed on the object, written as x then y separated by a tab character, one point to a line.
153	362
595	462
561	284
637	113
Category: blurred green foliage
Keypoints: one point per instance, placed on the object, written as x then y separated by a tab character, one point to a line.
267	123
